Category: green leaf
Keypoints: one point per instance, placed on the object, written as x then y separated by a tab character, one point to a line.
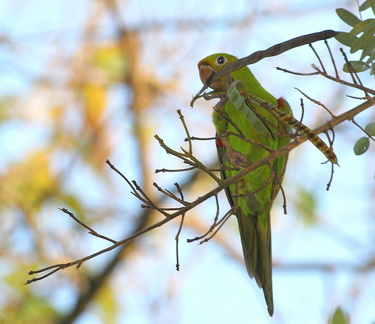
371	59
366	39
364	6
370	129
361	146
347	17
367	4
339	317
368	50
358	66
236	99
362	26
345	38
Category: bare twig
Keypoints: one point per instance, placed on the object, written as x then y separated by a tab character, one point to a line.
170	194
353	84
332	59
297	73
318	57
174	170
177	240
315	102
91	231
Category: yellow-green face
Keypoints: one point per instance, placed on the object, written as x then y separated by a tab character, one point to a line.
214	63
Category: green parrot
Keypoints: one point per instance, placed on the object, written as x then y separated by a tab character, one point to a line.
238	145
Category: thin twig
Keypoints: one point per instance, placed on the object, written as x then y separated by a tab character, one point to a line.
174	170
297	73
315	102
332	59
91	231
318	57
177	241
363	130
170	194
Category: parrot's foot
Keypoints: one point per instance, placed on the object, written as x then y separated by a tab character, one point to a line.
236	159
213	95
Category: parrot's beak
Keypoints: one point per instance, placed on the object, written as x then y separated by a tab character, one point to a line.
205	72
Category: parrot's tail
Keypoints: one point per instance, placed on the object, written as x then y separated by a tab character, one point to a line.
256	245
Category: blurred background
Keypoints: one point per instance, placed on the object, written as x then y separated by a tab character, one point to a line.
85	81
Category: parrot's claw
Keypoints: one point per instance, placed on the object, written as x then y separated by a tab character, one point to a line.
212	95
233	157
236	159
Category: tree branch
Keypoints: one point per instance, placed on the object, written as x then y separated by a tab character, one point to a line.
221	185
269	52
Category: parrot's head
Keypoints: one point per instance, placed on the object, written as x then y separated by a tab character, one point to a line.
212	64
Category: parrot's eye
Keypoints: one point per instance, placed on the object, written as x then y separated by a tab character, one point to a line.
220	60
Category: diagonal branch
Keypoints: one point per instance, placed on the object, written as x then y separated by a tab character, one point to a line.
269	52
221	185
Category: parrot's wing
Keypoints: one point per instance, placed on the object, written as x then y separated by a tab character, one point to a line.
280	163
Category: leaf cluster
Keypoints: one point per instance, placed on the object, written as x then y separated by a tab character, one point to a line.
361	37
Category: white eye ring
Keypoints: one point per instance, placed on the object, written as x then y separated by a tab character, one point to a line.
221	60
